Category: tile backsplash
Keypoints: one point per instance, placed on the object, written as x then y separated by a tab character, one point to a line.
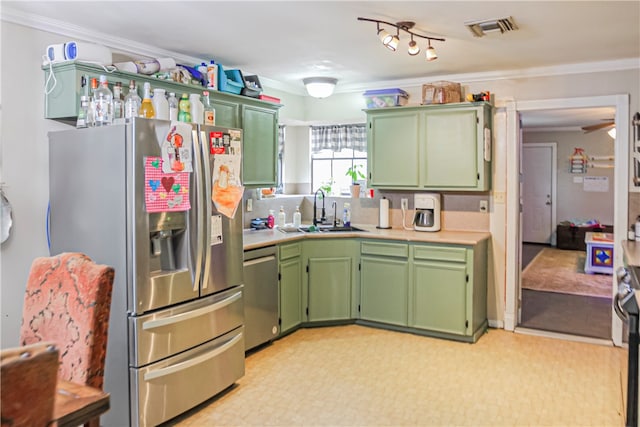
459	211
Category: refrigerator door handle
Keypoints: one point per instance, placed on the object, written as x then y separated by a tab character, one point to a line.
200	218
204	146
192	362
153	324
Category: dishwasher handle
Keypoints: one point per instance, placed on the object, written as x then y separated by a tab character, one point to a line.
259	260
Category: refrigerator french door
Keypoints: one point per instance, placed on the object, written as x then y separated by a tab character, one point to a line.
177	305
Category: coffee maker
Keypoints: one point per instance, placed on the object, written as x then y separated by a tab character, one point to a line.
427	207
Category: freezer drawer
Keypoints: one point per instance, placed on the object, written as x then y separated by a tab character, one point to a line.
168	388
153	337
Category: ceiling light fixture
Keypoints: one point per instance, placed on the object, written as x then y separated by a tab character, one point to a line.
320	87
391	41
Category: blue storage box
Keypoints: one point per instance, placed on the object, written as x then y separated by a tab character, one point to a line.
230	80
386	98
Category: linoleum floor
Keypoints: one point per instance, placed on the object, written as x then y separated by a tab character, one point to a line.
360	376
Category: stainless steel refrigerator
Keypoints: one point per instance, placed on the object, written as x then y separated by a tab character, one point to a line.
176	325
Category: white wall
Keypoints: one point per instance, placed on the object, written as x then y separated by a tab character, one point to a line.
25	152
573	202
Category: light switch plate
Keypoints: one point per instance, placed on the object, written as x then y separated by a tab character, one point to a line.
404	204
249	205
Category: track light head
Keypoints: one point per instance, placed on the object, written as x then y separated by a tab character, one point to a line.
413	48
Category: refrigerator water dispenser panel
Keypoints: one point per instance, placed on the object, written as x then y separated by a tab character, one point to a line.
166	234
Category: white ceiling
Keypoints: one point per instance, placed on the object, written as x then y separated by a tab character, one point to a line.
285	41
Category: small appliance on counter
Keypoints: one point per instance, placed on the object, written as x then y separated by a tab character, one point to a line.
427	217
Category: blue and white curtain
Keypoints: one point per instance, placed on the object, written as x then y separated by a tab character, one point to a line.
339	137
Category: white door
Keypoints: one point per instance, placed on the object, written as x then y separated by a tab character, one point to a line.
538	171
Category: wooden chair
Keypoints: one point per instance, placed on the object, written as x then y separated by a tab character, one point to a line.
28	384
67	301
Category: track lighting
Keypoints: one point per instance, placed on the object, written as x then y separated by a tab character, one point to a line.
391	41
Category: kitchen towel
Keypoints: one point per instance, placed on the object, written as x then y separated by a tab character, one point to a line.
383	221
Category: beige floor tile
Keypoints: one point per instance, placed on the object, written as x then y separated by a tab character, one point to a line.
359	376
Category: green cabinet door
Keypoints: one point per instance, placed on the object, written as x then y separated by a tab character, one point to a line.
439	296
383	287
329	285
451	149
393	149
227	113
260	146
290	274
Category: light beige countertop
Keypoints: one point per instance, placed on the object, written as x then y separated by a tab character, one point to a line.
631	252
259	238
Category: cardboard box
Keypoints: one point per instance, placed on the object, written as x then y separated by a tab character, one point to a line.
441	92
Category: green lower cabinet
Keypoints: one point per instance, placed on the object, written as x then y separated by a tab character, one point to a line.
290	275
329	289
384	279
439	297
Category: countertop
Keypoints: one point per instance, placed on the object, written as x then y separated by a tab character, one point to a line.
631	252
254	239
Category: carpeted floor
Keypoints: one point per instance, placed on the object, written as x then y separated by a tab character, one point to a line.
557	270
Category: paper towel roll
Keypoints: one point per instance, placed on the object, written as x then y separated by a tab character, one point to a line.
383	221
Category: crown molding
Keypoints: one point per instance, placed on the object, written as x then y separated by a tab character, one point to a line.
137	49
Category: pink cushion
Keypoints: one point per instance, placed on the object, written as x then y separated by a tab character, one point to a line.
68	299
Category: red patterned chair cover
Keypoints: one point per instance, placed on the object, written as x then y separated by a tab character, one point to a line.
67	301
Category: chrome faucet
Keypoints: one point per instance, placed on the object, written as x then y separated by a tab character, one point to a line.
334	205
315	209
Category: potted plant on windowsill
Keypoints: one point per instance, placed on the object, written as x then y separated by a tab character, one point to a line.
354	173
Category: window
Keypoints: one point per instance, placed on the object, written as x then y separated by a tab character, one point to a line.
335	149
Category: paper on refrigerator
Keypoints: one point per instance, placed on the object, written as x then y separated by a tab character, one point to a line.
226	186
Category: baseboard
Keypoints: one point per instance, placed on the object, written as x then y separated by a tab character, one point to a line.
564	337
496	324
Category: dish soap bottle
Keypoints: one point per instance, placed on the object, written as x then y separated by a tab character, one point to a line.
297	217
282	219
346	215
270	219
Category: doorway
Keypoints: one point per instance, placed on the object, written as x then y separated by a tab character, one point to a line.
514	217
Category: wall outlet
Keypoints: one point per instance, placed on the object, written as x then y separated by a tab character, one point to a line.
404	204
484	206
249	205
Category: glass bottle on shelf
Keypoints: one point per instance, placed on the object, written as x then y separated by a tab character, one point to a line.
118	104
146	108
104	103
209	111
184	113
132	102
83	112
173	106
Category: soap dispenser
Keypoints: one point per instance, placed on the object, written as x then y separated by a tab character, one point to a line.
297	217
270	219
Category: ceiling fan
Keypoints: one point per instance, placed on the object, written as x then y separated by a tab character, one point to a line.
606	124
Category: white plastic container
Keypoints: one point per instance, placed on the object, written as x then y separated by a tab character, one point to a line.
197	109
160	104
173	107
282	218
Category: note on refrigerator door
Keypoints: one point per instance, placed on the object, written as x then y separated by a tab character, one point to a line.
216	230
164	192
176	148
227	189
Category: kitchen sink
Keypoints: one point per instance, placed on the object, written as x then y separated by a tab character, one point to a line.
328	229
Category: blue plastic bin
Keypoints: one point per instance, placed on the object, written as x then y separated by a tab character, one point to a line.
230	80
386	98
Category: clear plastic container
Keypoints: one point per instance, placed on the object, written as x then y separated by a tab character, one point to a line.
197	109
173	107
160	104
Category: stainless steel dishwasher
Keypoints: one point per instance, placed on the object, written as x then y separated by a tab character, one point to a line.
260	296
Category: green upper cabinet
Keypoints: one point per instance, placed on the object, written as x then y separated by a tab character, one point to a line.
227	113
260	141
258	119
434	147
393	147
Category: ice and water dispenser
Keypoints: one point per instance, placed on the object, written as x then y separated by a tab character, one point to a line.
167	234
